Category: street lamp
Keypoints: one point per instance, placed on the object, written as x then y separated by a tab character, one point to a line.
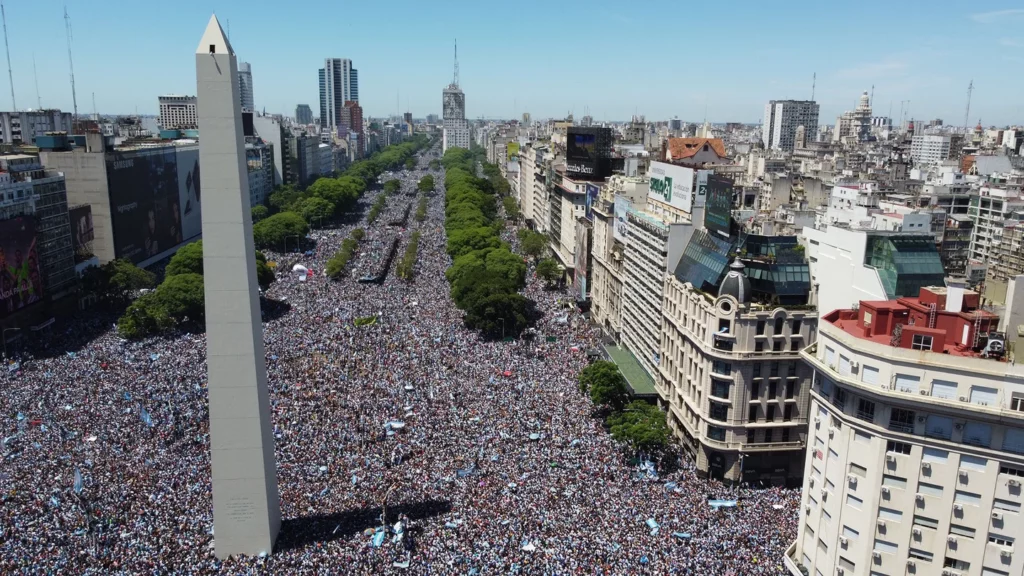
4	337
502	328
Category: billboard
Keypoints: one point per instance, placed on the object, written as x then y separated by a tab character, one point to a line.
592	193
702	187
719	205
619	227
672	185
581	146
581	257
81	229
145	206
512	150
189	193
21	282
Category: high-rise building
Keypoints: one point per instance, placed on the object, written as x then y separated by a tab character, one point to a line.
916	447
781	118
303	114
245	86
178	112
23	127
453	109
352	129
929	148
339	83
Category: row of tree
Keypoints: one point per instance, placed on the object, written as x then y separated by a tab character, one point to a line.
327	198
485	276
179	301
405	267
640	426
337	263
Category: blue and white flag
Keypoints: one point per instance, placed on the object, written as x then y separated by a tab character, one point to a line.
146	418
78	481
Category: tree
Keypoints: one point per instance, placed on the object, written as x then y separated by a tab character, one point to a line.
467	240
410	164
117	281
507	265
392	186
284	197
511	208
259	212
264	273
498	314
548	271
533	244
426	183
187	260
336	265
359	234
641	427
145	316
315	209
466	217
435	164
183	298
605	385
275	230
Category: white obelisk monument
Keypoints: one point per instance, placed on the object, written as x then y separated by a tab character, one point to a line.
246	508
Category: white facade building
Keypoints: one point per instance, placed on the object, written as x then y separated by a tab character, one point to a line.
23	127
339	83
456	129
929	148
178	112
245	86
915	453
781	119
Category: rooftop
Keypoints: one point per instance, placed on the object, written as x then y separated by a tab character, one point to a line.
682	148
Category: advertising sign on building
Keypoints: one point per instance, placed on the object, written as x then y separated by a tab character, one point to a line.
702	187
588	153
145	208
82	232
672	185
189	192
21	282
719	205
619	227
582	256
592	193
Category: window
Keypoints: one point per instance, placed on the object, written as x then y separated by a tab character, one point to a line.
774	370
897	447
768	436
1000	540
993	572
791	370
894	481
858	470
859	436
719	412
926	522
1006	505
890	514
920	554
759	347
755	390
790	387
869	374
968	498
959	530
760	327
984	396
830	356
977	434
865	410
796	326
839	398
720	389
901	420
844	365
850	532
907	384
921	342
847	565
938	427
1017	402
785	434
773	390
973	463
935	455
770	413
1004	469
886	547
956	564
944	389
752	416
779	322
787	413
794	346
722	368
724	325
716	433
929	489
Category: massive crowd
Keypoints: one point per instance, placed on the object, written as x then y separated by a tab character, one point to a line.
484	451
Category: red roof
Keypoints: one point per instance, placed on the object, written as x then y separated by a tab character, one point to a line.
680	148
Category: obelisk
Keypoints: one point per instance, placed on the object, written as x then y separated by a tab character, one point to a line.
246	507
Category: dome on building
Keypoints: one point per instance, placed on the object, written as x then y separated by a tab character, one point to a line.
736	283
864	101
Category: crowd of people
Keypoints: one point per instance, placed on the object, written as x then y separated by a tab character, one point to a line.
484	452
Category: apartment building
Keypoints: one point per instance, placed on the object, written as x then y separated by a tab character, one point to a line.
178	112
606	275
730	372
993	205
916	451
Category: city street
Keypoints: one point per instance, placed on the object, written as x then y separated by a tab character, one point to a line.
485	452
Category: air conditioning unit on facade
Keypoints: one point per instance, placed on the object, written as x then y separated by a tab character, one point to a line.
917	532
926	466
910	564
919	497
876	554
1012	482
885	490
951	539
852	478
997	516
958	508
843	541
1005	554
890	458
881	524
831	432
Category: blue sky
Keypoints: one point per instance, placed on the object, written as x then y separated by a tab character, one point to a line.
658	58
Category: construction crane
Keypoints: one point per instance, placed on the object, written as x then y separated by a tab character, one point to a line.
967	113
71	64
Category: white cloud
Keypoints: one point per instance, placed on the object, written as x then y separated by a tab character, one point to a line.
996	15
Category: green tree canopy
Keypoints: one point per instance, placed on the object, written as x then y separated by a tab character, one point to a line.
497	314
259	212
533	244
605	385
392	186
641	427
511	208
466	240
549	271
284	197
316	209
273	231
410	164
117	281
187	260
182	297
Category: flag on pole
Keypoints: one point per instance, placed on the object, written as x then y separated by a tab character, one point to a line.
78	481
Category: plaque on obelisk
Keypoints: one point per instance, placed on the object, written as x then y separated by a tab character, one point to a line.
246	508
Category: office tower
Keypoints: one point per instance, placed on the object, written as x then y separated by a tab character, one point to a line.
177	112
781	118
246	506
25	126
245	86
303	114
914	451
339	83
453	108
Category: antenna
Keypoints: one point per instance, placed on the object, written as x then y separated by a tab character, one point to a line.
455	81
872	101
71	64
39	101
10	75
967	114
814	85
95	116
229	29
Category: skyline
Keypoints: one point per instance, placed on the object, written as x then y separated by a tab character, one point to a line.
524	62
